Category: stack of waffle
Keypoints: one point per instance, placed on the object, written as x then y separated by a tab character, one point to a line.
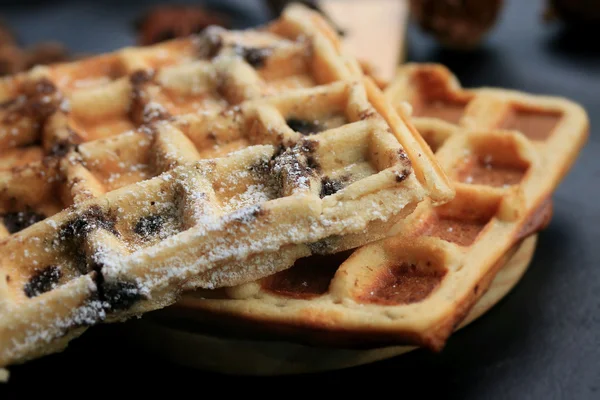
260	178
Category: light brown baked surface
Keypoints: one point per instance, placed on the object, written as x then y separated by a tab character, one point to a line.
505	151
201	162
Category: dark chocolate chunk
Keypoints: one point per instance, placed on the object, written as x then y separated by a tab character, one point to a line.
115	295
261	168
60	148
254	56
92	218
308	146
140	77
330	186
17	221
402	175
120	295
149	225
404	158
75	248
303	126
43	281
324	246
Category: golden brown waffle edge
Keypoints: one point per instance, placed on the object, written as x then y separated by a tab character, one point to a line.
505	151
127	177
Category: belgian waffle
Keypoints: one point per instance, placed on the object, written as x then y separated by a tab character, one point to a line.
505	152
198	162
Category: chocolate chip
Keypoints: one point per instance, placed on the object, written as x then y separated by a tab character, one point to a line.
402	175
254	56
149	225
140	77
308	146
80	262
303	126
120	295
92	218
330	186
403	157
61	148
43	281
17	221
324	246
312	163
261	168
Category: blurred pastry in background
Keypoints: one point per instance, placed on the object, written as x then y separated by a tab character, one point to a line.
172	21
456	24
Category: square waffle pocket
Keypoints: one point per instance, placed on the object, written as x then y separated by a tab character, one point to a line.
505	152
211	160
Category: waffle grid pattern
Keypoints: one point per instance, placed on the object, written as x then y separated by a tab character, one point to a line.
504	157
127	177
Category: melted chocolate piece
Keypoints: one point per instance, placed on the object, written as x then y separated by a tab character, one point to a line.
254	56
140	77
330	186
114	296
149	225
61	148
120	295
93	218
17	221
303	126
324	246
43	281
402	175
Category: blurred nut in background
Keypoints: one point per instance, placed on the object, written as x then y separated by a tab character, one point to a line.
575	13
456	24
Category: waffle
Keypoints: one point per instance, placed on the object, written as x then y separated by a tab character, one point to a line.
209	160
505	152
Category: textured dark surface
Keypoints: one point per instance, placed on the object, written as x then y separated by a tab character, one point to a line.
541	342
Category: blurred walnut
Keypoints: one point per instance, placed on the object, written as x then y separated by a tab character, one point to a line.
457	24
173	21
577	13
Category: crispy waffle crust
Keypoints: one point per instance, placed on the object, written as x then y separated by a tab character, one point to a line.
505	152
210	160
